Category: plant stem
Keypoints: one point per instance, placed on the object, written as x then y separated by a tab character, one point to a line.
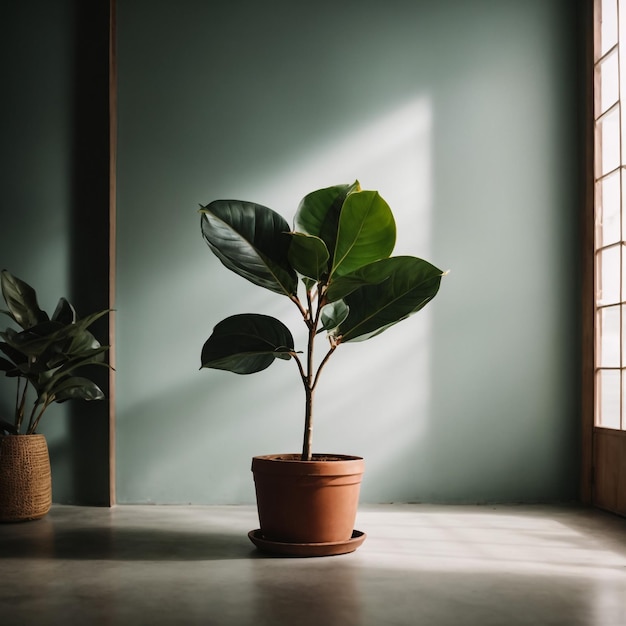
324	361
296	301
308	426
16	419
20	404
33	423
308	391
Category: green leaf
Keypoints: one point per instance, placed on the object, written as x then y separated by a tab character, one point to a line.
333	314
366	233
308	255
71	361
341	286
54	338
409	284
15	355
76	388
319	211
308	283
64	312
6	365
252	241
247	343
88	320
31	342
80	342
21	300
48	377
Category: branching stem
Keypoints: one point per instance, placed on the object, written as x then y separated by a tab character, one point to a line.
305	313
324	361
309	376
32	424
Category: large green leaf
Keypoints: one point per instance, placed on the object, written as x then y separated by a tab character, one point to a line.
308	255
76	388
252	241
64	312
247	343
80	342
403	285
366	233
21	300
319	211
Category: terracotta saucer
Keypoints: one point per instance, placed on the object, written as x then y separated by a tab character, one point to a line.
307	549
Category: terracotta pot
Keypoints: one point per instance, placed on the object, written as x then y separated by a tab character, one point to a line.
25	478
302	502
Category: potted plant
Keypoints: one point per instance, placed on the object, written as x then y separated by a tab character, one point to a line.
44	358
338	254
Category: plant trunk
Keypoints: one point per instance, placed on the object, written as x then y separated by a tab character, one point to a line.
308	394
308	426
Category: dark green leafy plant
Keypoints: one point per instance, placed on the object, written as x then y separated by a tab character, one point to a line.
340	248
46	354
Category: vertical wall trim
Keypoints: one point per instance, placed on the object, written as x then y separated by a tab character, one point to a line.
112	236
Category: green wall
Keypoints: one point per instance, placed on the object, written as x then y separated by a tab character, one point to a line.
463	115
54	202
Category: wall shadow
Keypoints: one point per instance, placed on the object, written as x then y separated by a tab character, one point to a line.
89	238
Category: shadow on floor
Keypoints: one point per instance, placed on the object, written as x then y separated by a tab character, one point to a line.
141	544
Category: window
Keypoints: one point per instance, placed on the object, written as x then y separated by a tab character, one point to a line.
610	214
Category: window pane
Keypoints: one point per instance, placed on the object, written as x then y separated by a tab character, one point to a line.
608	329
607	84
623	425
623	273
608	276
622	201
623	341
607	143
609	395
608	210
622	64
608	25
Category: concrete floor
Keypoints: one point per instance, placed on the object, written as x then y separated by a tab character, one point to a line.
420	565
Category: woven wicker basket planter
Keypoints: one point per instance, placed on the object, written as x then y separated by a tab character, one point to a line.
25	479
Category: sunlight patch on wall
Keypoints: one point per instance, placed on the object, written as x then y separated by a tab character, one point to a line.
391	154
373	397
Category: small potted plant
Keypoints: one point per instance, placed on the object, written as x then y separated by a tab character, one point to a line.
44	358
335	265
